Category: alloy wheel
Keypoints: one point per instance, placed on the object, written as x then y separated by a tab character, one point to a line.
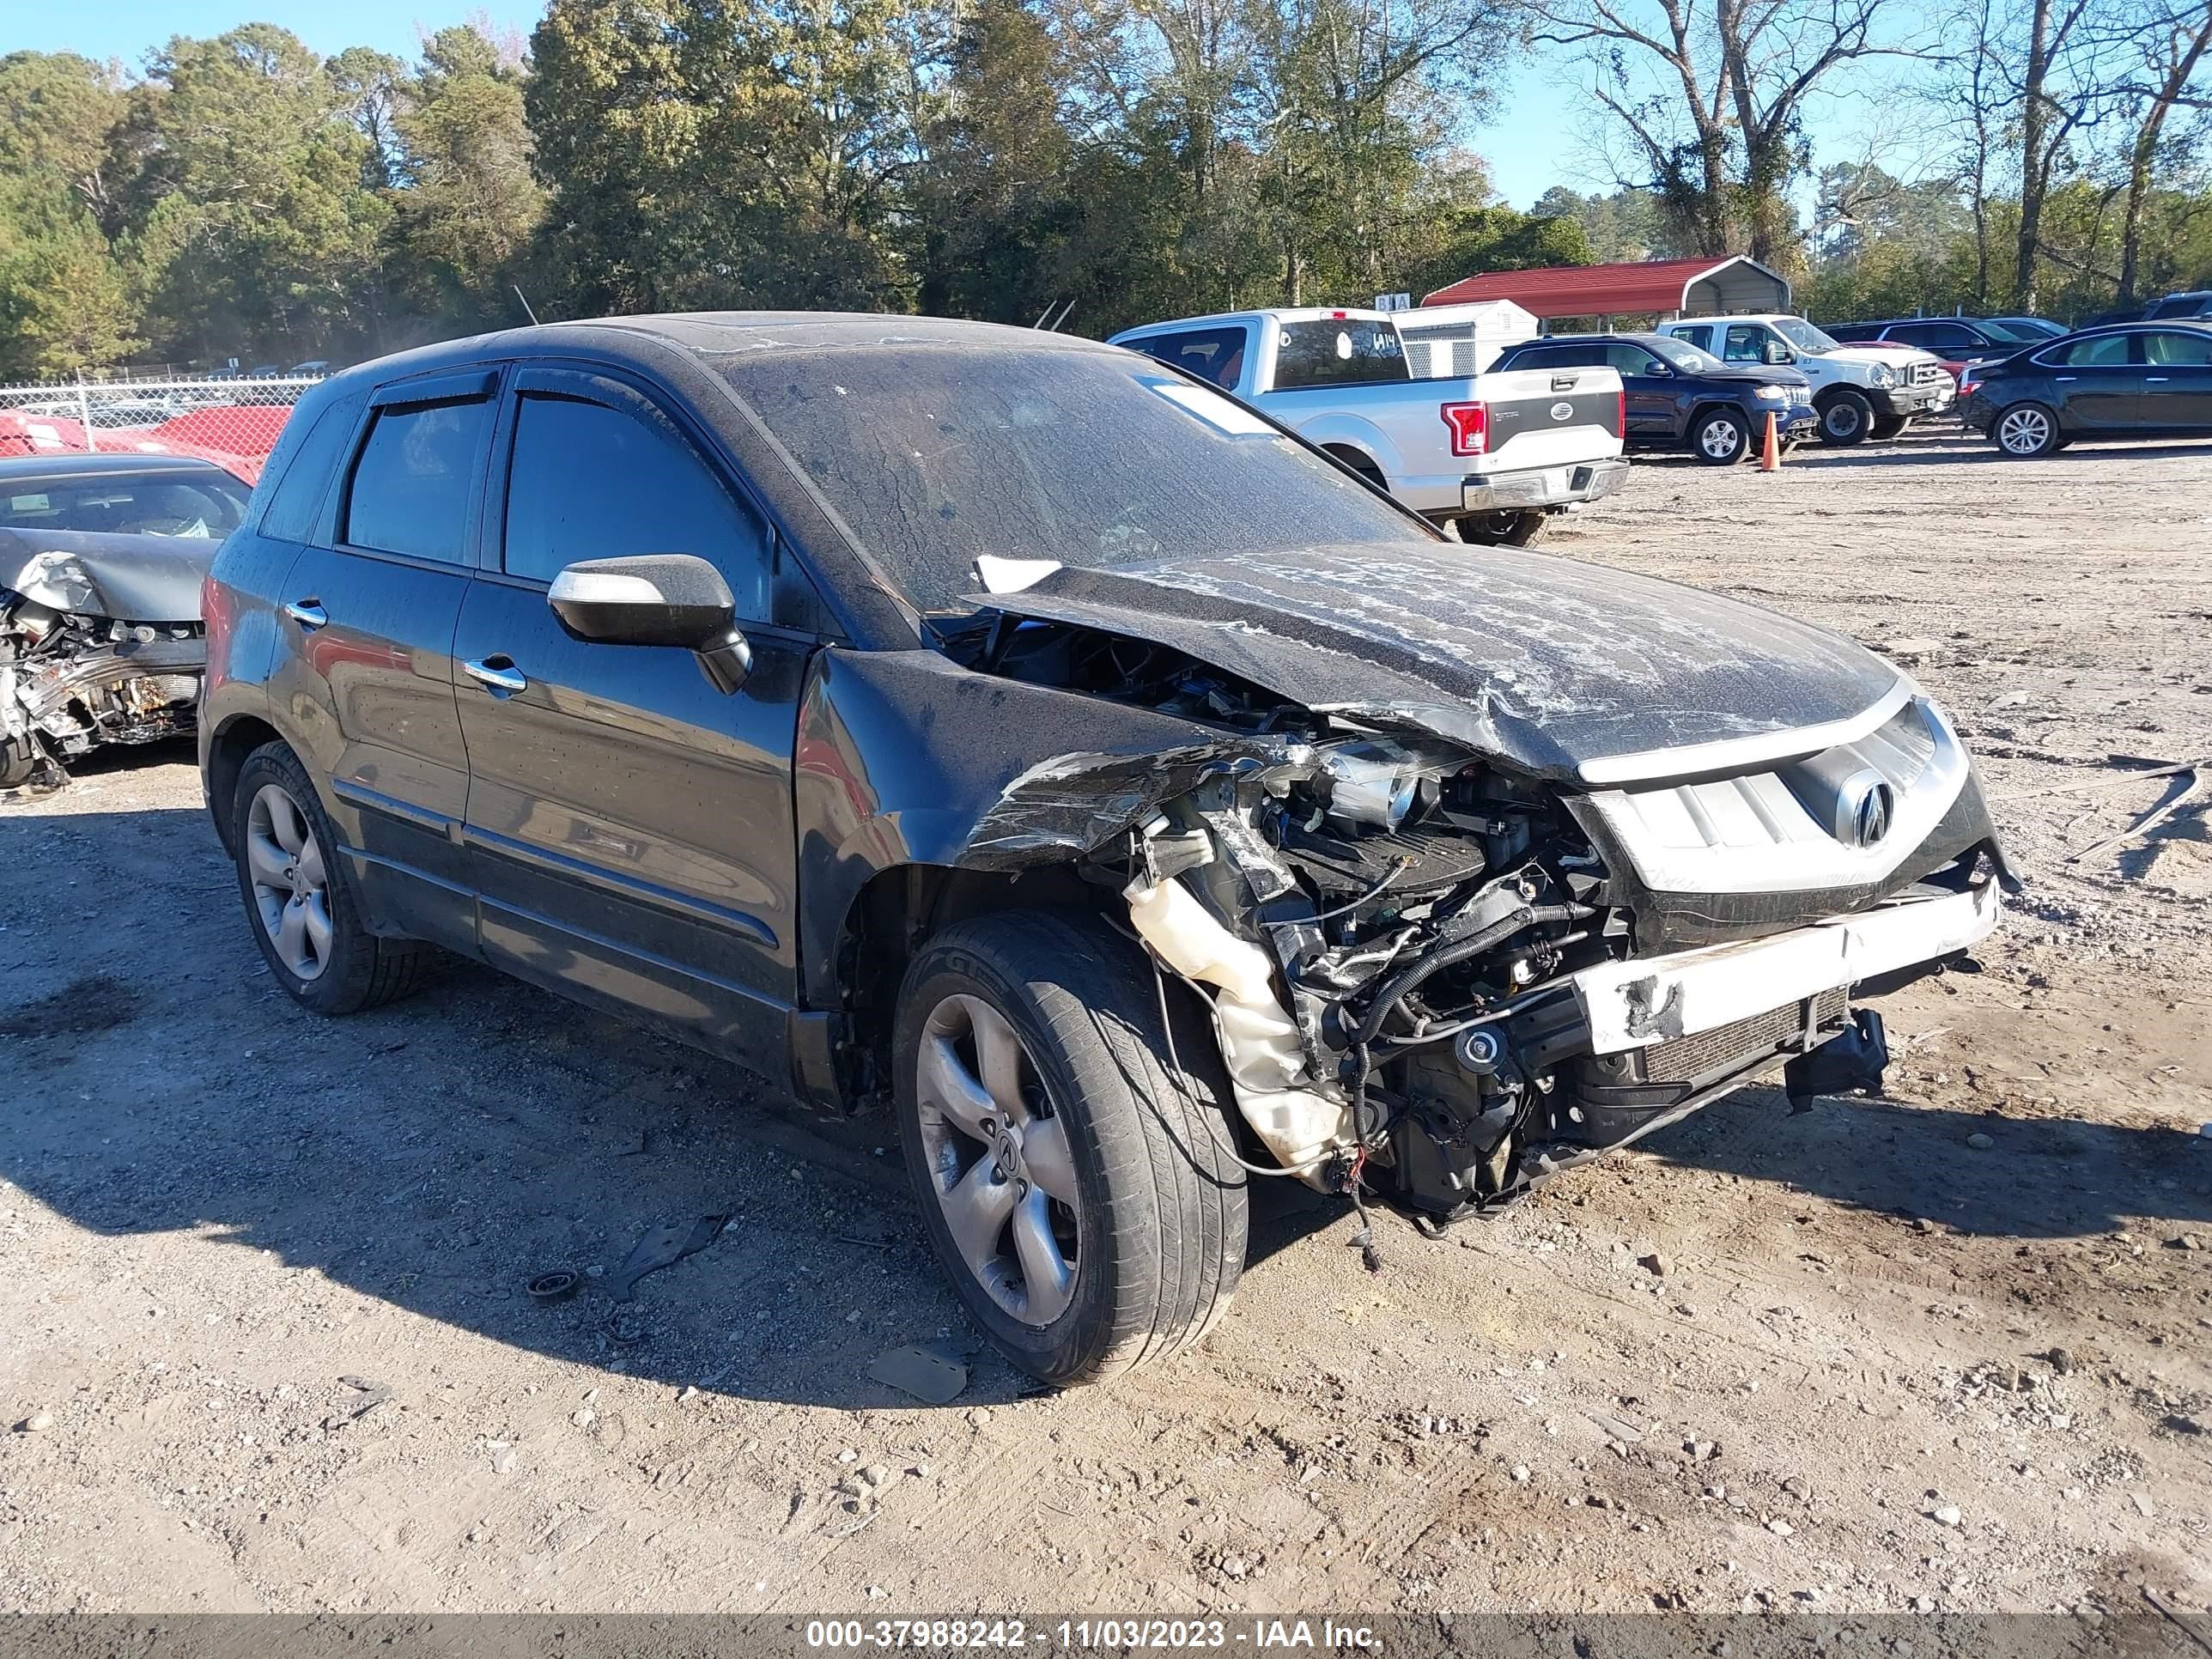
291	884
1721	439
998	1159
2024	432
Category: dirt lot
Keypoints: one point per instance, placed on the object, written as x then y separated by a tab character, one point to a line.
268	1345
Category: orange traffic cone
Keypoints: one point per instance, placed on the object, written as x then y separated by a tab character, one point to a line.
1770	457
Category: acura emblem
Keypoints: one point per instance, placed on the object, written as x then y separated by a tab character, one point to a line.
1562	412
1864	807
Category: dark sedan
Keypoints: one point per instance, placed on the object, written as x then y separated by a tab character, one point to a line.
2127	381
1677	396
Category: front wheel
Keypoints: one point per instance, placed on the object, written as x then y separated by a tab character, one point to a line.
2027	431
1845	419
1720	438
1072	1159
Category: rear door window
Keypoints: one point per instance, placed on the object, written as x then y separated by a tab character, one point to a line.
2102	351
1700	336
1215	355
416	479
2184	348
1557	356
592	482
1338	351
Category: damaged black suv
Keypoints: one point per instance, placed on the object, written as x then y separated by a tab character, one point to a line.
1011	728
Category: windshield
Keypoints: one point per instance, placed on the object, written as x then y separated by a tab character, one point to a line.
934	456
1684	355
1802	335
199	505
2015	333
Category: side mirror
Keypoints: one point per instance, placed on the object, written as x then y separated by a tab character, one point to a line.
656	598
1778	355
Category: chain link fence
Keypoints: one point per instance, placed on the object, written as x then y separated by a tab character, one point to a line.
233	422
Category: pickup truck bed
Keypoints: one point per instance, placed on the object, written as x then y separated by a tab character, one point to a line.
1495	454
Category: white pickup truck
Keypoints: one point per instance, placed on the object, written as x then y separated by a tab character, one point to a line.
1861	392
1496	455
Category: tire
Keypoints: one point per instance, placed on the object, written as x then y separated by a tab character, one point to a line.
1886	427
1150	1196
314	943
2025	431
1721	437
1369	474
1846	417
1503	529
18	763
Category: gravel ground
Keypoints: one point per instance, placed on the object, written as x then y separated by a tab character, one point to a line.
268	1345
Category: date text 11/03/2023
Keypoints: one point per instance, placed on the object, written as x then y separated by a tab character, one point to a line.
1076	1635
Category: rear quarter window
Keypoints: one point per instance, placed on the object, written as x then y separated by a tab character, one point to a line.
295	504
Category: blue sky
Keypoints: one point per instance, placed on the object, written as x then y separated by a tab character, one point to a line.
1537	140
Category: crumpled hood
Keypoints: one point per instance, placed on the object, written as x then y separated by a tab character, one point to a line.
1543	662
153	579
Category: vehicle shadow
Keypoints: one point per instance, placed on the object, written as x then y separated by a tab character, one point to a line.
440	1153
1941	449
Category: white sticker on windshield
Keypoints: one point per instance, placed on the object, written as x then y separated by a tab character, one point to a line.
1223	413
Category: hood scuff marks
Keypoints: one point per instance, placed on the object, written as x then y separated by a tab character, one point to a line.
1541	662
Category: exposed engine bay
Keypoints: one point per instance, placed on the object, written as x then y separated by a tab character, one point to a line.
73	678
1438	978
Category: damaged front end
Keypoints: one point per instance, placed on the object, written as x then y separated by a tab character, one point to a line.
1437	975
73	676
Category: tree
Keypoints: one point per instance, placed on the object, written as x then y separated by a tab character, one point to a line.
1712	99
469	205
63	303
240	157
2170	40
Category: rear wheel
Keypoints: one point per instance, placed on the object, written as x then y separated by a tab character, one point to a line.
1073	1165
298	898
1885	427
2027	431
1846	417
1720	437
1503	529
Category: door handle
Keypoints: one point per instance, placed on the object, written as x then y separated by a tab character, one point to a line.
495	674
308	613
2066	377
2155	379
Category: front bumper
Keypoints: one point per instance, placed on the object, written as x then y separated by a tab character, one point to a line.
1925	398
1542	487
1654	999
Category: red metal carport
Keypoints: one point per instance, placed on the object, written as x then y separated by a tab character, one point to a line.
1663	288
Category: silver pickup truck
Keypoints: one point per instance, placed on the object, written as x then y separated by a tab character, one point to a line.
1497	455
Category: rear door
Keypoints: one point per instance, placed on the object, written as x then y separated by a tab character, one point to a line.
629	826
1651	393
2099	383
366	670
2177	391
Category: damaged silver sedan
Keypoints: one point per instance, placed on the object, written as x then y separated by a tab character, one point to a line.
1009	731
102	559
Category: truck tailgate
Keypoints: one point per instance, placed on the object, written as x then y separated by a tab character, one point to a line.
1547	416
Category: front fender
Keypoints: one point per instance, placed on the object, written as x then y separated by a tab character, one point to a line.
904	757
